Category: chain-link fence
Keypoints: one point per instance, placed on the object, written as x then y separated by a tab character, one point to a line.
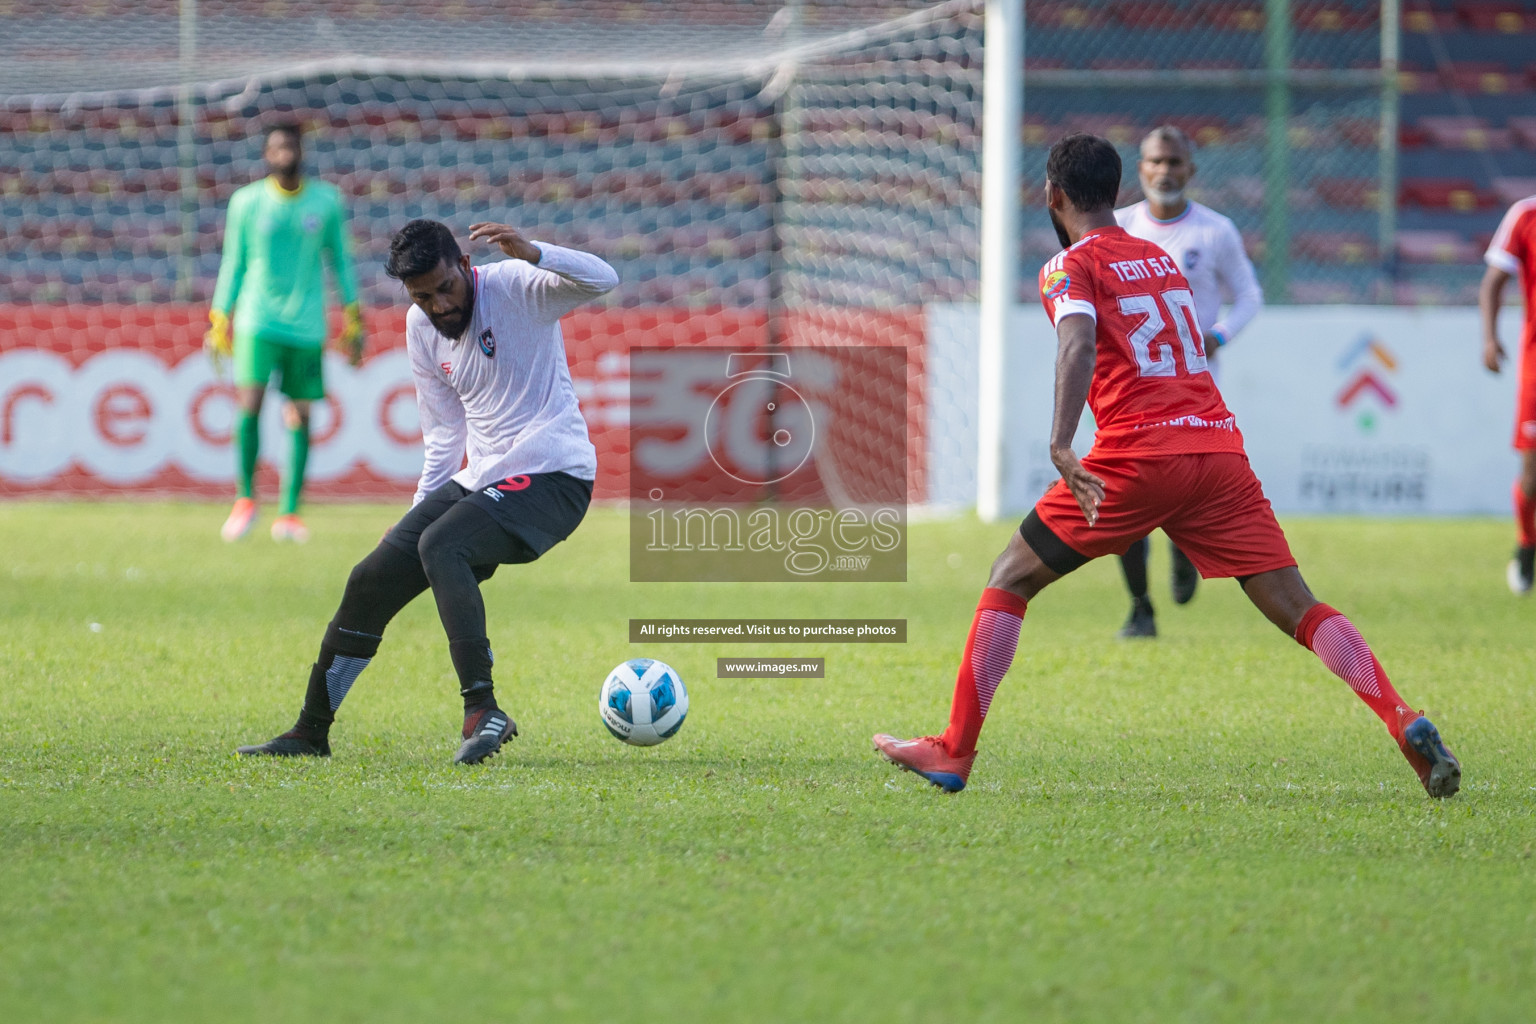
724	152
1287	124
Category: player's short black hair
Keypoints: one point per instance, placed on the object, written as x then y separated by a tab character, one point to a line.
1087	169
288	128
419	247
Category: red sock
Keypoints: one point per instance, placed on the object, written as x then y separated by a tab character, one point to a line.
1335	640
988	653
1525	517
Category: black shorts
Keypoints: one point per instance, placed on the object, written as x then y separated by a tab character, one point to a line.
536	511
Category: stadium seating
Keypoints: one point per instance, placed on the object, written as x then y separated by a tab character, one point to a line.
1466	80
1436	247
1332	247
1348	193
1522	131
1464	133
1496	16
688	180
1509	191
1423	17
1492	77
1459	194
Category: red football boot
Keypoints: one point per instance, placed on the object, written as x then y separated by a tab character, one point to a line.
927	757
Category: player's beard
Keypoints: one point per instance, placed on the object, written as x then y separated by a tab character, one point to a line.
1061	232
453	324
1164	197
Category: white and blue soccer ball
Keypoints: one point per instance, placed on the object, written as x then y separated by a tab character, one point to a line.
643	702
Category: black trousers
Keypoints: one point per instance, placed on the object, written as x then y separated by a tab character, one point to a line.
454	539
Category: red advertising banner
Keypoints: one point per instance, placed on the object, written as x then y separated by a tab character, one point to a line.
108	400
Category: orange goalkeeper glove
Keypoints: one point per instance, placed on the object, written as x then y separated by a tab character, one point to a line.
351	340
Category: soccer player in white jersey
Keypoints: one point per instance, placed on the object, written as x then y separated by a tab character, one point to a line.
495	397
1209	252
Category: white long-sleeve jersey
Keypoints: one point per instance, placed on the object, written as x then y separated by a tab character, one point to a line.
1209	251
501	395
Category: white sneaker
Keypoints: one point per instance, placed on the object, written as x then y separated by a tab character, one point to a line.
1519	582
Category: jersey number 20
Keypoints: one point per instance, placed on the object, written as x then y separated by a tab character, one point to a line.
1154	354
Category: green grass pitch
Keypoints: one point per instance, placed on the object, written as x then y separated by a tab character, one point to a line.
1208	827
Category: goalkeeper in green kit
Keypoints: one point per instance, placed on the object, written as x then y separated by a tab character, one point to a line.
278	232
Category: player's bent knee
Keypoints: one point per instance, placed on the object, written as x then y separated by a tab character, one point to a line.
1034	559
1021	570
379	571
438	549
366	577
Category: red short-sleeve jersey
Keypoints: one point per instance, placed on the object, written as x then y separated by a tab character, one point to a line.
1512	250
1151	392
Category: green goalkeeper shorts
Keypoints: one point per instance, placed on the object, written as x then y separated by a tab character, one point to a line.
297	367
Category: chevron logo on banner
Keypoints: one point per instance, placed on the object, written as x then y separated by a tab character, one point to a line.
1368	366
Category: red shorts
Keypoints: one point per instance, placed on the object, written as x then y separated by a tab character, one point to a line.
1210	505
1525	404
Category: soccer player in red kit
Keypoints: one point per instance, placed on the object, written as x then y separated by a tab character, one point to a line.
1511	253
1167	454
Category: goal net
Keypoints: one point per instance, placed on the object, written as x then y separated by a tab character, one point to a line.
760	174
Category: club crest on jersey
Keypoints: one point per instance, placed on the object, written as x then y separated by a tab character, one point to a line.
1056	284
487	343
311	223
1191	258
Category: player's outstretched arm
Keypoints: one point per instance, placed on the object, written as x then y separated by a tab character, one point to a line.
1075	354
567	279
1489	298
508	238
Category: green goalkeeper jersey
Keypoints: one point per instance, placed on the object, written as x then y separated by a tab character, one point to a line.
270	273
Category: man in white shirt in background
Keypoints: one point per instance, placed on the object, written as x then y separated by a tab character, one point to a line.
1209	252
495	398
